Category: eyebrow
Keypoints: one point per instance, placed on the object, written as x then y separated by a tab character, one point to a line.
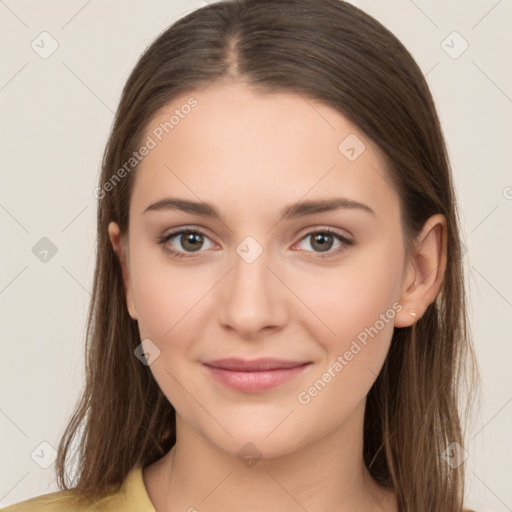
300	209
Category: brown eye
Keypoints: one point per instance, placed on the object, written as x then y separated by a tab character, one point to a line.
322	241
191	241
185	242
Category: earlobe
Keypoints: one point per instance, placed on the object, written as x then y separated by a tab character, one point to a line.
119	247
425	271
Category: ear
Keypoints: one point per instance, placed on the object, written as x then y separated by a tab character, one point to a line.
424	273
120	246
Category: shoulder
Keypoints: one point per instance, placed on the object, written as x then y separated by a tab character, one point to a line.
60	501
131	497
68	501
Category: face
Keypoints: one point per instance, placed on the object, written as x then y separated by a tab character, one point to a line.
318	287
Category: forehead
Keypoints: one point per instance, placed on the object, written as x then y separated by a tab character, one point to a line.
232	143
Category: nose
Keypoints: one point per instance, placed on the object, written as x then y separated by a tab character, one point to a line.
251	298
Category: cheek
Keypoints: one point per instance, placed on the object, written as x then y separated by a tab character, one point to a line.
345	302
168	302
350	314
357	310
164	293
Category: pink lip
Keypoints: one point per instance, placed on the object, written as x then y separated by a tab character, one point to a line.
256	375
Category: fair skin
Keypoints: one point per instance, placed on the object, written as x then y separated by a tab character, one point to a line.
251	155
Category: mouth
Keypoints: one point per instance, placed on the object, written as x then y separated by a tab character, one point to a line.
254	375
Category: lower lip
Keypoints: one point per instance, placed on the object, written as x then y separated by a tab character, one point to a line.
254	381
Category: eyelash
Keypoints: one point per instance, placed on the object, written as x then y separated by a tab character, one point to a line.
179	254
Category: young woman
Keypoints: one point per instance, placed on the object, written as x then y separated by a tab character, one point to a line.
278	319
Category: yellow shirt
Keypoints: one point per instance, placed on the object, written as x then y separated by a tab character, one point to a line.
132	497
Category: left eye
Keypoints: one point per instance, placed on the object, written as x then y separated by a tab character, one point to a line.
324	240
193	240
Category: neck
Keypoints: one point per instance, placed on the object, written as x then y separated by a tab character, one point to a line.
328	474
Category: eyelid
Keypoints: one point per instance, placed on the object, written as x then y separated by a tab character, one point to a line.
316	228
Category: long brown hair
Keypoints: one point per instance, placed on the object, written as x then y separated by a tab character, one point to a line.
335	53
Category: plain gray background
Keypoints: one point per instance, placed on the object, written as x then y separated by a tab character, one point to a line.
56	112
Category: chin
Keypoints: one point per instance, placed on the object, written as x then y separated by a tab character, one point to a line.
252	443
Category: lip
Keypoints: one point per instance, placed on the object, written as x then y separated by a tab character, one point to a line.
254	375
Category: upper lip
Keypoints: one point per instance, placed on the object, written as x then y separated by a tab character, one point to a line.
246	365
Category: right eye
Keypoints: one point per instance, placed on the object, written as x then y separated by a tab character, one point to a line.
190	239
